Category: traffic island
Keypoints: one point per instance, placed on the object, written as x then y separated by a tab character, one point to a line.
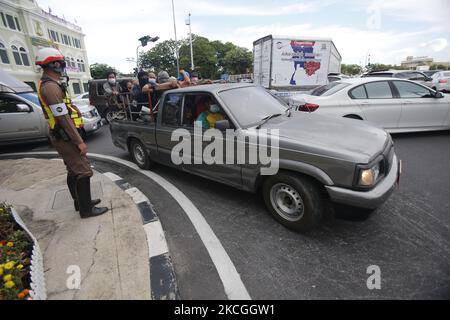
104	257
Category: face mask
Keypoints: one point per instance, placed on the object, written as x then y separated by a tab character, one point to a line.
152	81
61	69
214	108
112	81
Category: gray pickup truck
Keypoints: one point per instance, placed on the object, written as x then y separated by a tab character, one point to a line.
320	159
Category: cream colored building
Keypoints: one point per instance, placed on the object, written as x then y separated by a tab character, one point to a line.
24	28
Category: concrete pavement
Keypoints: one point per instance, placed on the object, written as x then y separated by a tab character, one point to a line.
110	251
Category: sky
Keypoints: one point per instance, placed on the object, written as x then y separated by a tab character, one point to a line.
387	30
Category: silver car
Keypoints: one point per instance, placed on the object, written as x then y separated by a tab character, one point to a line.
394	104
440	81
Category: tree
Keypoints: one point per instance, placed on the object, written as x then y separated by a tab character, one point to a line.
351	69
161	57
100	70
238	60
205	58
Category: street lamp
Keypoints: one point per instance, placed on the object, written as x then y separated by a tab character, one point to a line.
176	42
188	23
144	40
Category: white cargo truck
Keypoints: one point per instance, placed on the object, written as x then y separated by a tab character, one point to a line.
294	63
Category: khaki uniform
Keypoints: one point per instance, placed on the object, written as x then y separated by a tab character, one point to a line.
54	99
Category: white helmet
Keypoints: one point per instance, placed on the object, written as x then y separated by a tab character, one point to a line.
48	55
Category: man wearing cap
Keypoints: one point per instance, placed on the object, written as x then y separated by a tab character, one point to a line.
65	121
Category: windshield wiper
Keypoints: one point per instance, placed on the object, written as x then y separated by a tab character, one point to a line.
265	119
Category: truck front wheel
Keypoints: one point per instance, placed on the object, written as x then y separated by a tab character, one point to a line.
140	155
294	200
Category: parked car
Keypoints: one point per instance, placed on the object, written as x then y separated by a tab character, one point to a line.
429	73
440	81
393	104
336	77
416	76
81	99
97	96
320	158
22	119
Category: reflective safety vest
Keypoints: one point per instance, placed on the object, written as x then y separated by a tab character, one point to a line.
74	115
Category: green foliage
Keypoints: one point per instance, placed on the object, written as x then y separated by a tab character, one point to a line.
351	69
100	70
382	67
161	57
14	257
211	58
439	67
238	60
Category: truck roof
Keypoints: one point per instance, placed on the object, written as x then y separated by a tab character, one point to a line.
284	37
212	88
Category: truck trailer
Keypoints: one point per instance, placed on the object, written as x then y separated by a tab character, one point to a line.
294	63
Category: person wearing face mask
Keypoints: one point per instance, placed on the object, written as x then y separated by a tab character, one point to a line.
65	121
112	90
208	118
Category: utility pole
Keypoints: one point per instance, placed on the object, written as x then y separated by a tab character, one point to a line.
188	22
176	41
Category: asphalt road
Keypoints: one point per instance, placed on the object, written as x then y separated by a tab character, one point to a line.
408	237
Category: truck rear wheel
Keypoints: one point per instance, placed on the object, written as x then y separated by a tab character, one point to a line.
294	200
140	155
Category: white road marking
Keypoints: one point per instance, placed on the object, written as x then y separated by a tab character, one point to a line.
112	176
137	195
232	282
155	238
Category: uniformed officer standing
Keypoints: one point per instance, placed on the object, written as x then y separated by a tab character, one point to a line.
65	121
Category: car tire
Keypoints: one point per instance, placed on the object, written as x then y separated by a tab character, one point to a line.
140	155
104	114
294	200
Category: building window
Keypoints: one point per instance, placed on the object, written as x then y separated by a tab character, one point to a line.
76	88
3	54
81	67
72	63
20	56
52	35
10	20
17	23
86	87
3	19
24	55
16	55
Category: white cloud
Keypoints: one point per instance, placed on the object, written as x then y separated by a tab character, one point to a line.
436	44
112	27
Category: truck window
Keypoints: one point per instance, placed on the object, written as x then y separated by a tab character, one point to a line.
171	113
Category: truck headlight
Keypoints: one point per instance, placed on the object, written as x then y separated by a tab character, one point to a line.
87	115
368	177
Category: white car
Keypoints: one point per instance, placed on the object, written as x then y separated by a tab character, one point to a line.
81	99
440	81
394	104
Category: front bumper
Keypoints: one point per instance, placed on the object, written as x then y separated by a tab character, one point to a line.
371	199
92	124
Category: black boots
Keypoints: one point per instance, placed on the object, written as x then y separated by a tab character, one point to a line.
72	184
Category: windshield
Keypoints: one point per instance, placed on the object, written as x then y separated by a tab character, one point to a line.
250	105
31	97
329	89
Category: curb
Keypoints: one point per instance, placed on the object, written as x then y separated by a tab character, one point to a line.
163	283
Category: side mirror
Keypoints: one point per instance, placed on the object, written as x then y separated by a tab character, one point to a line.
21	107
438	95
222	125
428	79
